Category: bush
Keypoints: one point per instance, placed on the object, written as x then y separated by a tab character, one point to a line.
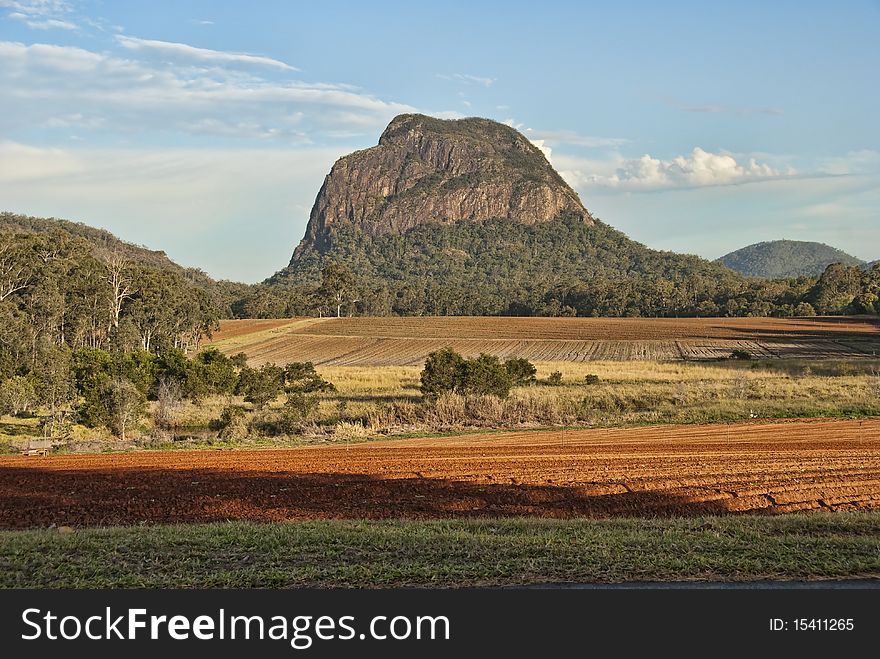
521	371
290	419
486	376
444	372
232	423
740	354
260	386
211	372
301	377
592	378
554	379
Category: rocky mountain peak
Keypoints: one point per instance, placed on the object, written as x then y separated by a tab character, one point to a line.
428	170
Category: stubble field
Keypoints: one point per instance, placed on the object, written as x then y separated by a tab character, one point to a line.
394	341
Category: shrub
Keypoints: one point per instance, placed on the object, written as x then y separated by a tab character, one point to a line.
521	371
260	386
592	378
232	423
486	376
740	354
554	379
444	372
301	377
210	372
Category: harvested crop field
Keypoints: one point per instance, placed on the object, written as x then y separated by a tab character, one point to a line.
649	471
396	341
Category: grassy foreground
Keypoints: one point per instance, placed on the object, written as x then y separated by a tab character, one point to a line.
446	553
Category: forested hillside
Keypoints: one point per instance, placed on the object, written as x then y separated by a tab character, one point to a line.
561	267
68	286
786	258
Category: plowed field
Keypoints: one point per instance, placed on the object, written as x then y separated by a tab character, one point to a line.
650	471
403	341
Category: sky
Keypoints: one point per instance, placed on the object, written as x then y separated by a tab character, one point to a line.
205	128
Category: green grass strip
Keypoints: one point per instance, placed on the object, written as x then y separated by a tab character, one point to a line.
445	553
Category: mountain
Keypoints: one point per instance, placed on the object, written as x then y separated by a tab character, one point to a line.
468	217
426	170
785	258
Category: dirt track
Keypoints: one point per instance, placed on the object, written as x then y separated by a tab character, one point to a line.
653	471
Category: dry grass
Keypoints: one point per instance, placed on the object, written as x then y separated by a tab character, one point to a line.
385	400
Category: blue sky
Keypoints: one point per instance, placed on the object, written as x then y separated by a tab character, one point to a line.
206	128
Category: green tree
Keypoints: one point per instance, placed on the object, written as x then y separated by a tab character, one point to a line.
211	372
444	371
521	371
17	395
125	405
338	286
836	289
804	309
93	369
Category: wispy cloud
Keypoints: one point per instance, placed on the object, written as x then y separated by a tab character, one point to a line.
570	137
40	14
45	83
468	79
43	24
185	51
37	7
195	21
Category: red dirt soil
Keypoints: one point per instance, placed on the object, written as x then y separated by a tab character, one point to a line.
649	471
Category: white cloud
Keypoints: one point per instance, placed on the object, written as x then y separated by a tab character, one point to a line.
468	79
37	7
700	168
575	139
46	82
43	24
40	14
185	51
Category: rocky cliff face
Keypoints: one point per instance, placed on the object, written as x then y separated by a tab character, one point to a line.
433	170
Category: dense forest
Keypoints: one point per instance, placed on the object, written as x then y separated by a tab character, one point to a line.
564	267
786	258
